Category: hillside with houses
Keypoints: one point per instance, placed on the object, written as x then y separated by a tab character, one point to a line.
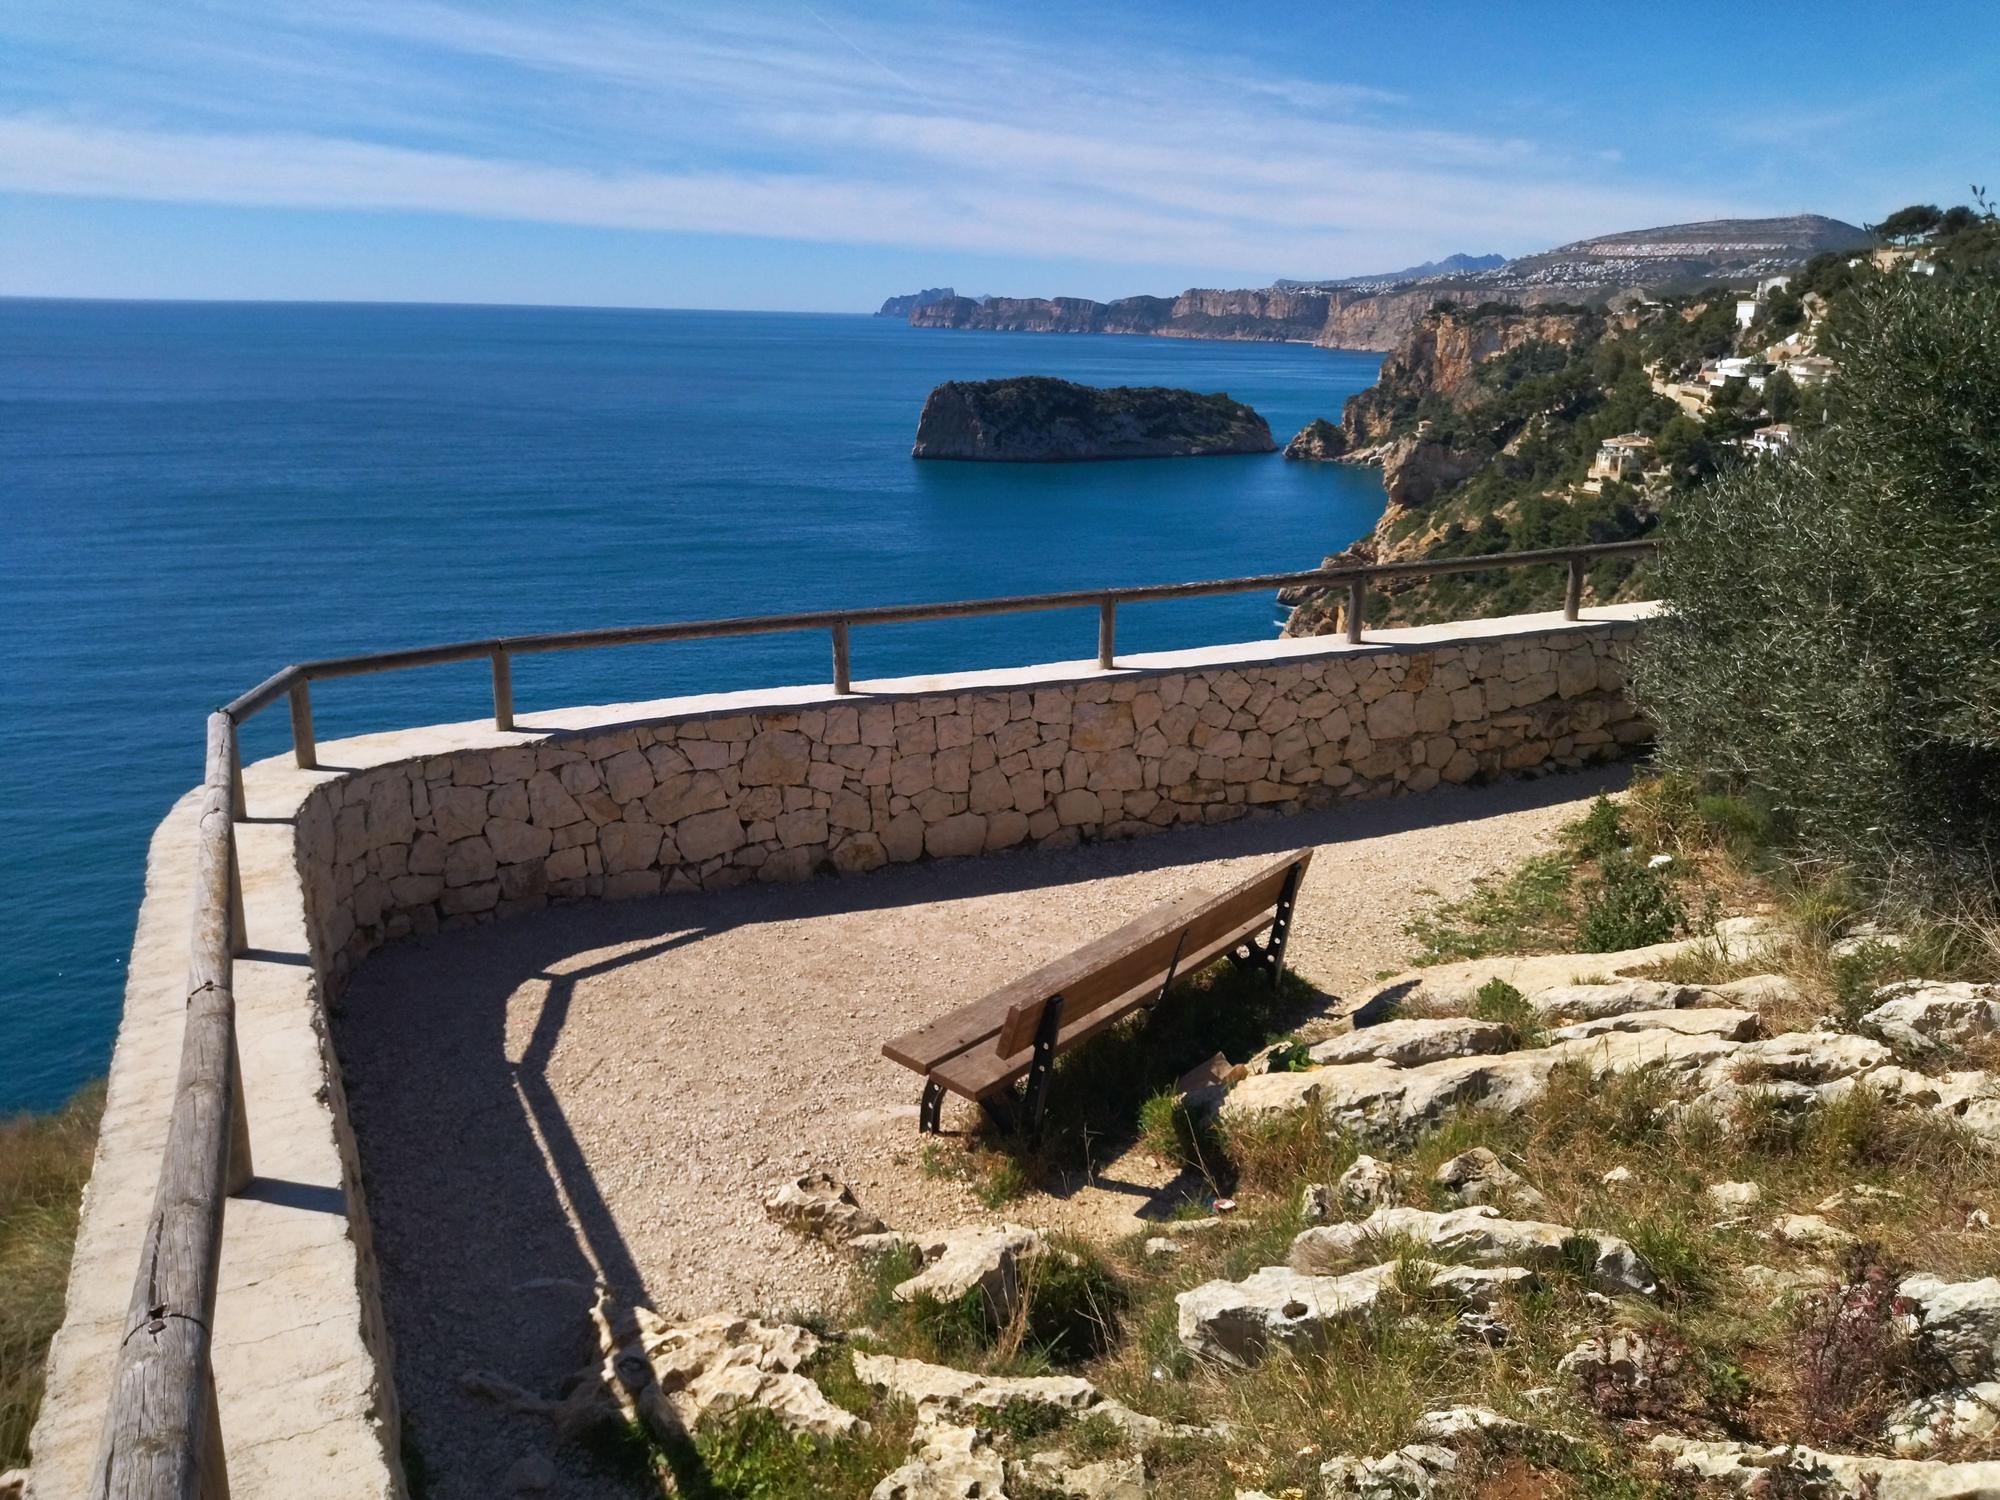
1501	427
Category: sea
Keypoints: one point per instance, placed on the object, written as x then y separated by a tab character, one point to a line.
193	495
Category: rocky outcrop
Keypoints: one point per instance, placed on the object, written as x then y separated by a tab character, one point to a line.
1753	1469
1924	1015
1319	441
669	1376
1416	469
1035	419
818	1205
1477	1235
983	1257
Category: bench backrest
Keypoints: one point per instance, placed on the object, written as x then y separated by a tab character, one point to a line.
1142	952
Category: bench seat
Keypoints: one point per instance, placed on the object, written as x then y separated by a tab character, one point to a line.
981	1050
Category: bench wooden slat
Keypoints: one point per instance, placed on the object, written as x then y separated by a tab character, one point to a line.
983	1069
1151	960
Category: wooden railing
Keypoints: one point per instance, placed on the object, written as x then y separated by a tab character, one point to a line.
162	1434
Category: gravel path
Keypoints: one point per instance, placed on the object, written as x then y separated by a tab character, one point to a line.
605	1092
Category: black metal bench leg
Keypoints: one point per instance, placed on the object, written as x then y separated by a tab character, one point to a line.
930	1111
1281	927
1035	1104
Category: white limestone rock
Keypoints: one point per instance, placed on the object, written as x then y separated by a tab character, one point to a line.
988	1257
1318	1202
1922	1015
949	1463
1959	1416
1264	1098
959	1392
669	1376
1477	1234
1105	1479
1851	1476
1410	1473
1808	1057
1810	1231
1734	1196
1959	1321
1695	1020
1367	1185
1412	1043
1478	1176
819	1205
1619	997
1239	1322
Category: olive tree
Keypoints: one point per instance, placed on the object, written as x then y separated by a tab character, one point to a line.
1830	637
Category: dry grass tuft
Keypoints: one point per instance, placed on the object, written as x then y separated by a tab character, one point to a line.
44	1163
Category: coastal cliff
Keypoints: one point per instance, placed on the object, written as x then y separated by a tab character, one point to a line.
1035	419
1380	312
1440	357
1340	319
1481	421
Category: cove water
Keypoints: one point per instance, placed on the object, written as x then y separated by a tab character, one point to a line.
194	494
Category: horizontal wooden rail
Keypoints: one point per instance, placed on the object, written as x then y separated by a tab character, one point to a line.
162	1429
161	1436
294	681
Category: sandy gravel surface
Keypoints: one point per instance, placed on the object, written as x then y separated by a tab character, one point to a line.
605	1092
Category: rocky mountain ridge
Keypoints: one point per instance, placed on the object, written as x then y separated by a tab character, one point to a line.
1378	312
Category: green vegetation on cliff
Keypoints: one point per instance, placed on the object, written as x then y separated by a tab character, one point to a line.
44	1163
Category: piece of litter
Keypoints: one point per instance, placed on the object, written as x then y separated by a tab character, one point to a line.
1658	860
1225	1205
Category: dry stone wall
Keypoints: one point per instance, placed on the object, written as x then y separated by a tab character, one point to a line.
713	800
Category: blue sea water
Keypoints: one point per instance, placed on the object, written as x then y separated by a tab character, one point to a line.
194	494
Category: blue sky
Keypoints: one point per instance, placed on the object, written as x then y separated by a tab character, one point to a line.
824	155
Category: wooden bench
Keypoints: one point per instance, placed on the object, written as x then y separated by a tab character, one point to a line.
978	1052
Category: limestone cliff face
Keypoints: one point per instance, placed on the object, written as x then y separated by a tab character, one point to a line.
1415	470
1344	318
1441	357
1034	419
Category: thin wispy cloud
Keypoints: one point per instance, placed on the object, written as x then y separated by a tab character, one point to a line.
807	122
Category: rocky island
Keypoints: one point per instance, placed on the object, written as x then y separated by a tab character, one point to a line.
1037	419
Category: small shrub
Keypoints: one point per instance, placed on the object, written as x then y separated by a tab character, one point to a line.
1497	1000
1070	1306
1598	833
1630	906
1682	1252
1854	1358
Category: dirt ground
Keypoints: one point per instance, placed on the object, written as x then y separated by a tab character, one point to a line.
604	1093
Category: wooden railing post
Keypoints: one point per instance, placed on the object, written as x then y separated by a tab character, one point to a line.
503	689
304	751
1107	633
840	661
1573	593
1357	606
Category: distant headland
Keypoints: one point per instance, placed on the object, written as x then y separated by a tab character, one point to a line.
1381	310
